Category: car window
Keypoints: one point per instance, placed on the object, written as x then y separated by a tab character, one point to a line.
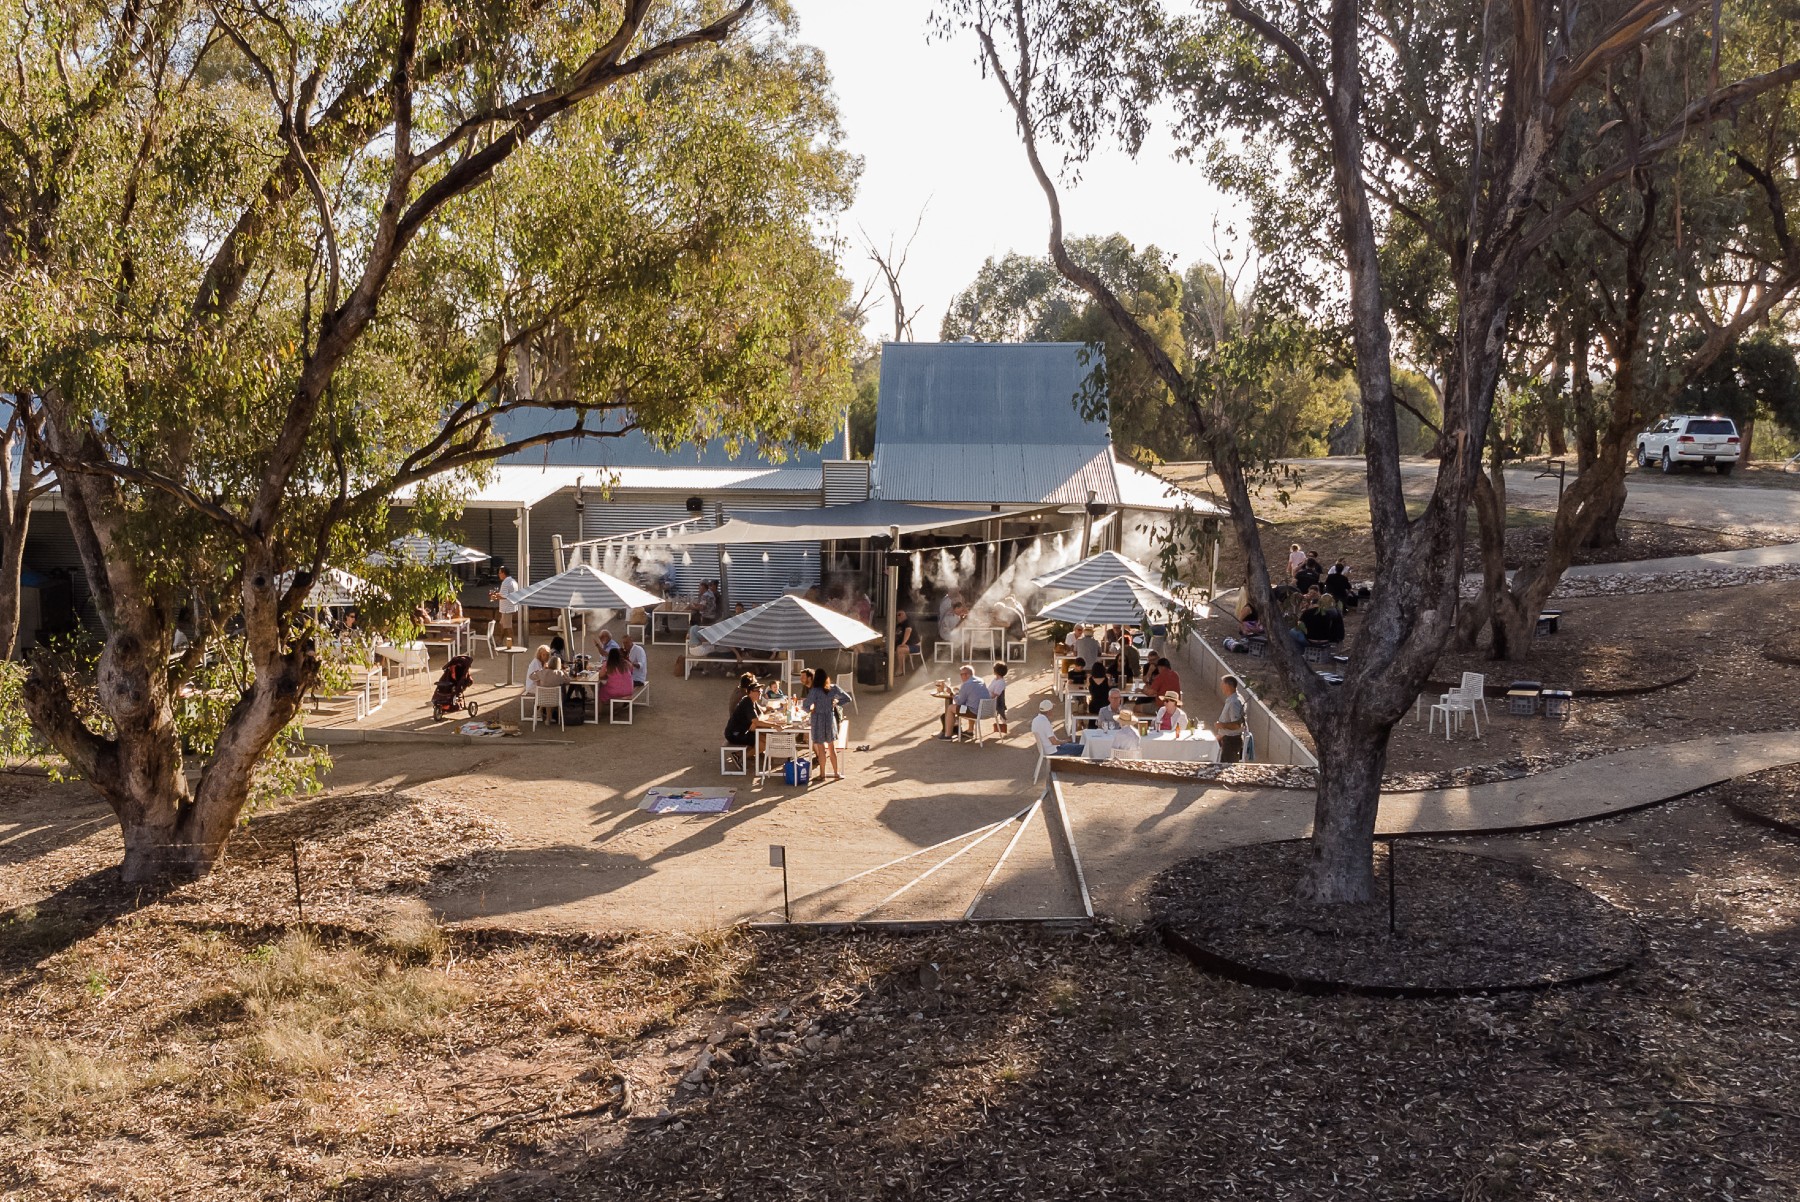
1711	425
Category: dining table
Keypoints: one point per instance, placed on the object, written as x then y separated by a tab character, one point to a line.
1191	746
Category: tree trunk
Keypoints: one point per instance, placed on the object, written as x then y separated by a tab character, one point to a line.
12	564
1746	433
1606	526
1340	869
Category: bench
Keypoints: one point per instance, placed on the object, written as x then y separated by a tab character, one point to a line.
1549	620
630	703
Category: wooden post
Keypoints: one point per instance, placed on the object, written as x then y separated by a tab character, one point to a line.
893	600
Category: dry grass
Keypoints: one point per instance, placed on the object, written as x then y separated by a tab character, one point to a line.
157	1057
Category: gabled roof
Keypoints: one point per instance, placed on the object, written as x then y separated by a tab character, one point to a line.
990	423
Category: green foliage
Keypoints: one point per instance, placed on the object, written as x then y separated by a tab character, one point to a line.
17	741
1758	379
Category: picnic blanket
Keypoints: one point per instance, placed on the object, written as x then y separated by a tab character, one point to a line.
668	800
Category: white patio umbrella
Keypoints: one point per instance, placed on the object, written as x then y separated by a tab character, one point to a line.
1124	600
584	587
333	589
788	624
1096	569
422	548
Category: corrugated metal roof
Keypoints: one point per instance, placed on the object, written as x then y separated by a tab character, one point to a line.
510	485
1003	473
634	449
1139	489
1001	393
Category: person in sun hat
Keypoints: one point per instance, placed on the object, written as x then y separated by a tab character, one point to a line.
1044	731
1170	717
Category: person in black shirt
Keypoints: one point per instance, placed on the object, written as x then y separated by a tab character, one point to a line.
1100	688
741	727
1309	573
1337	583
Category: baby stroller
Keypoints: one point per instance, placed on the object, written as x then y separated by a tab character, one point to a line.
447	697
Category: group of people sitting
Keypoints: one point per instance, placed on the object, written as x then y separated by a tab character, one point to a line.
1312	607
1118	717
962	704
622	666
757	706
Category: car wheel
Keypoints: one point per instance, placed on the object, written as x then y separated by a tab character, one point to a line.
1668	464
1725	468
1642	458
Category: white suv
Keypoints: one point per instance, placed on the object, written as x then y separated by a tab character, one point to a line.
1701	441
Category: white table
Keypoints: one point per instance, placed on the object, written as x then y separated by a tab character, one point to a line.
1194	746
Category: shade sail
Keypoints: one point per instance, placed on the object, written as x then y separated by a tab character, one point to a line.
1123	599
863	519
1096	569
423	549
334	589
584	587
788	624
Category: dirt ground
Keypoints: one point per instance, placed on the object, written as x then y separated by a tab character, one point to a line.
156	1055
1608	642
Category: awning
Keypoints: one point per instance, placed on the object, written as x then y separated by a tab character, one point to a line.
862	519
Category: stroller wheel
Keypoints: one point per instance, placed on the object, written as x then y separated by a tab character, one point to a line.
474	708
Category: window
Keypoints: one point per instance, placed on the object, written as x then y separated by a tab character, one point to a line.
1712	425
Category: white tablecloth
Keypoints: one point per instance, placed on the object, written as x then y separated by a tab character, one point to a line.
1194	745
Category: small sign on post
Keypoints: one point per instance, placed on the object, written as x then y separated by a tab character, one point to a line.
778	859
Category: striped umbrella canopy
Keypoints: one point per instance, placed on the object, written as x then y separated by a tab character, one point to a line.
422	548
1096	569
333	589
586	587
1125	600
788	624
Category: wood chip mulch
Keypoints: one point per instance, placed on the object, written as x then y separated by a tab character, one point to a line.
1463	923
1772	797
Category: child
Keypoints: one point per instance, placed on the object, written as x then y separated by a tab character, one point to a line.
997	690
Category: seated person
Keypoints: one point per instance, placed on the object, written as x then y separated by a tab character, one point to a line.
1170	717
997	690
1132	661
1109	712
1164	680
1310	573
1323	623
1078	673
1248	625
961	706
1100	688
449	610
540	659
904	634
1045	732
741	727
1337	583
616	682
952	621
1126	742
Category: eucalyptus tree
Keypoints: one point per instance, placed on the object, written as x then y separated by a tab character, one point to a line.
267	263
1651	286
1319	114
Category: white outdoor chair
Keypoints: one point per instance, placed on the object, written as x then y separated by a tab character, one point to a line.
734	760
1458	703
943	652
1044	750
776	749
984	712
486	639
848	684
1474	687
545	698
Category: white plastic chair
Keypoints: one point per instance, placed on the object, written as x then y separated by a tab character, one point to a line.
545	698
1458	703
848	684
734	760
486	639
773	752
1474	687
1045	750
984	712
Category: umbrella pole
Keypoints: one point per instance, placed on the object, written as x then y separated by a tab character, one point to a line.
893	600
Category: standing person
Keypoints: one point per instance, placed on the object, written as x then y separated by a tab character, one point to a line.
1230	726
997	690
1296	557
1100	688
706	605
825	702
507	598
1087	646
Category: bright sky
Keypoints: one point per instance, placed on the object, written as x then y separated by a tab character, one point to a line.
931	129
